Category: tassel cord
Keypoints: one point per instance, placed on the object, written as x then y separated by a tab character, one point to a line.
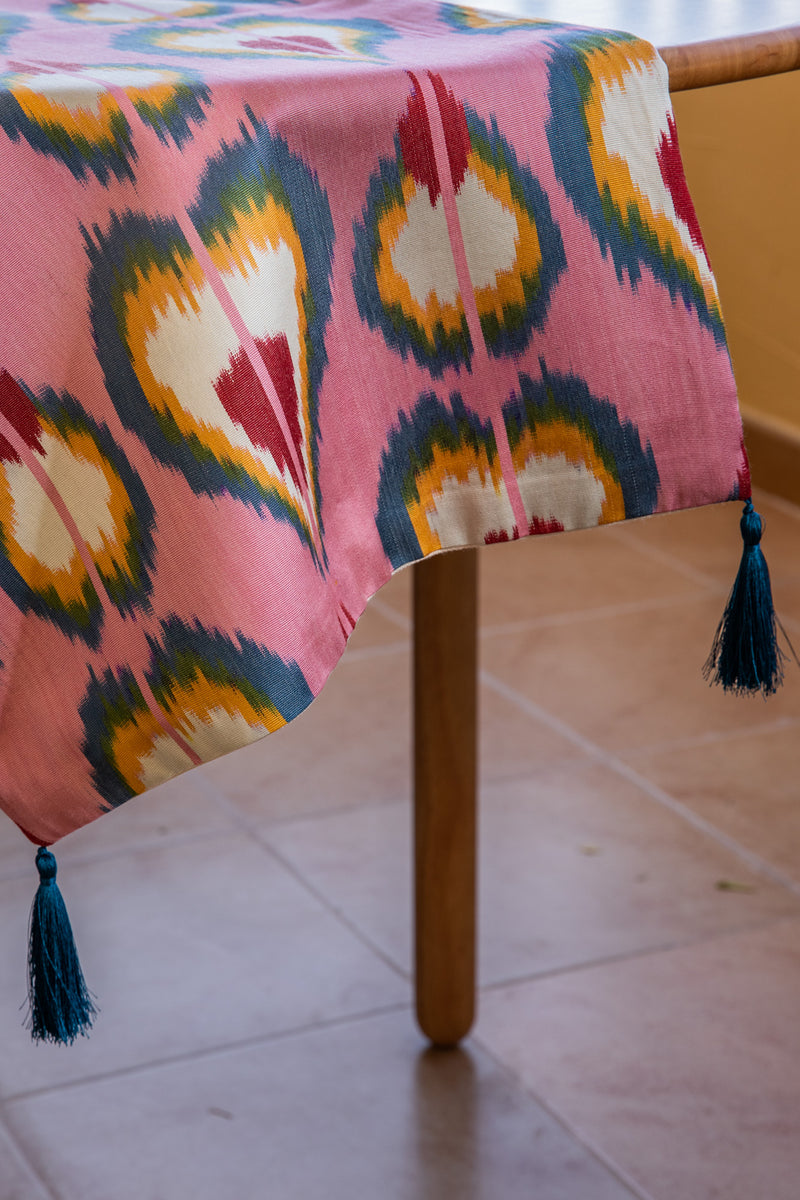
61	1006
745	656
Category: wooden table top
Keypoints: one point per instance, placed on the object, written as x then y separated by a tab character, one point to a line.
702	41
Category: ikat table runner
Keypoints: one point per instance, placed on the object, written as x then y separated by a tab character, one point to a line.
294	294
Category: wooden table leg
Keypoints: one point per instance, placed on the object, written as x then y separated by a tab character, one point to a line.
445	758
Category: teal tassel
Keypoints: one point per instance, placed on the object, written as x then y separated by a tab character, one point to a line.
60	1003
745	657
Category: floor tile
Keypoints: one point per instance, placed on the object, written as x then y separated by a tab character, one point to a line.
682	1066
16	1180
357	1112
631	680
576	865
540	577
745	785
187	948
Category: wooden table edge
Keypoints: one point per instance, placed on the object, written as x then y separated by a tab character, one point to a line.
730	59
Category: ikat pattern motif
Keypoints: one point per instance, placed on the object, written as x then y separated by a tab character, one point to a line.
77	116
180	373
644	217
217	693
298	292
259	37
513	247
120	12
59	565
473	20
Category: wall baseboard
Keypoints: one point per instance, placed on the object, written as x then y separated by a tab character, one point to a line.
774	452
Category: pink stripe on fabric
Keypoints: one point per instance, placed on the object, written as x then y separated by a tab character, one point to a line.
442	160
510	475
164	721
36	469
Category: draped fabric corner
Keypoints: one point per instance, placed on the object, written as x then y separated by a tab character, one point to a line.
295	294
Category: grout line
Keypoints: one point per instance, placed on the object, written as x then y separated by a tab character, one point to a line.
264	825
640	543
219	1050
587	614
531	709
559	619
709	582
555	620
489	778
261	838
791	623
780	502
332	908
391	614
675	945
29	1163
711	738
379	651
557	1113
122	850
574	1131
757	864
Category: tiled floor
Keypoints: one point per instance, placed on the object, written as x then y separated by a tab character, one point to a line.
247	927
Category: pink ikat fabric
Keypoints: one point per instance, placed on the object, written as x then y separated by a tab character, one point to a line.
295	294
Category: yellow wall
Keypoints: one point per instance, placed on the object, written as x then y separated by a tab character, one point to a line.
741	149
